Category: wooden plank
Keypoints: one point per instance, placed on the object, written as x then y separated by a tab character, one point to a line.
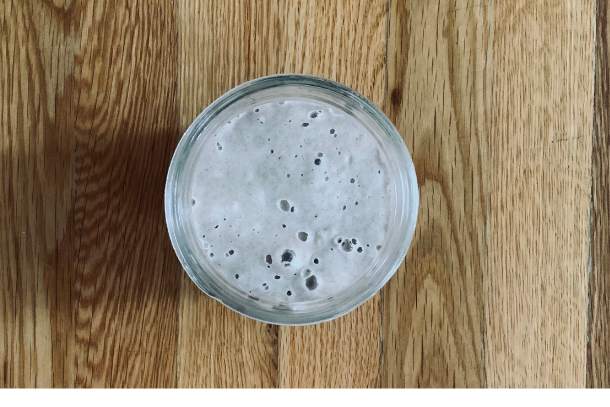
222	44
598	347
439	64
540	148
343	41
35	174
125	282
88	287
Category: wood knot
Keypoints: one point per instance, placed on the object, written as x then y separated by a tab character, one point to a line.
396	97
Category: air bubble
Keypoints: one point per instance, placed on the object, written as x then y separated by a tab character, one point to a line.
289	293
288	256
231	252
266	288
326	179
332	131
216	227
354	241
311	283
317	161
356	202
256	110
284	226
292	209
378	247
236	276
316	261
344	207
305	124
320	155
359	250
339	240
277	277
302	236
271	151
352	180
226	254
218	146
268	259
211	254
192	202
284	205
287	175
313	115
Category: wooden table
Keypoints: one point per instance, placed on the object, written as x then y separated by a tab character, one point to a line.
503	105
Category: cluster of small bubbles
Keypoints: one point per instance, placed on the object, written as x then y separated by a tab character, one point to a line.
346	246
218	146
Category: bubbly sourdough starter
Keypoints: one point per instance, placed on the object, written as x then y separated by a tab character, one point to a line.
291	201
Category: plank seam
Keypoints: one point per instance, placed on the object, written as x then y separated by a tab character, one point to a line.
588	355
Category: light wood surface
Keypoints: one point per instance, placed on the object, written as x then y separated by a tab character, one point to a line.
540	188
503	106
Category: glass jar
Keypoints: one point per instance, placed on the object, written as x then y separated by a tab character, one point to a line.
399	166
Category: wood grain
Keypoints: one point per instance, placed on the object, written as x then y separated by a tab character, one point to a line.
222	44
598	349
540	181
439	64
505	284
90	289
35	199
343	41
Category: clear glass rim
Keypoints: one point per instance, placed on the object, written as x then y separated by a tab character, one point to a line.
401	230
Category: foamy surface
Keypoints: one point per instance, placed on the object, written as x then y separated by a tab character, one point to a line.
291	201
